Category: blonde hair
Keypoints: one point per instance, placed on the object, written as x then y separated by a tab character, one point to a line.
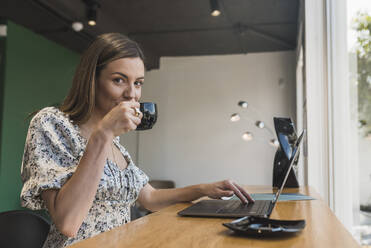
80	101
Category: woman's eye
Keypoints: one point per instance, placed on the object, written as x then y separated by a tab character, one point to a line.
138	83
118	80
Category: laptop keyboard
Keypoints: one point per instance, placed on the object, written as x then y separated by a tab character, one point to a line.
236	207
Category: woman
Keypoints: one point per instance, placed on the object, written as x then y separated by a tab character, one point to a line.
73	163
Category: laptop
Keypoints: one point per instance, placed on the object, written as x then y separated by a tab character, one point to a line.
260	208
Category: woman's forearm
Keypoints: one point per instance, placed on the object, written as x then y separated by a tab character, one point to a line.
155	199
72	202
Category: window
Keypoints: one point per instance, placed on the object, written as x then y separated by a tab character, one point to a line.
338	103
359	52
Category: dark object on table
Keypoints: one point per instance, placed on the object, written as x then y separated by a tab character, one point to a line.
280	167
22	228
287	137
258	226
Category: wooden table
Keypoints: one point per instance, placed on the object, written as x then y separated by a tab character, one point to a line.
166	229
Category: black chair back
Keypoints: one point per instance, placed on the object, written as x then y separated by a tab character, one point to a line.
22	228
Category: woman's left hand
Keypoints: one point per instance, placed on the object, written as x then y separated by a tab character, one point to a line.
226	188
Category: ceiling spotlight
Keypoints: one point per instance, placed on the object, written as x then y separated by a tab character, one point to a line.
77	26
92	22
92	17
92	9
243	104
247	136
235	117
215	10
260	124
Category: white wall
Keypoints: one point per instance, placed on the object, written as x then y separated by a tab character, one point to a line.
193	140
130	142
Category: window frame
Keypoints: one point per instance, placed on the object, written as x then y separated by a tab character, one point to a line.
332	148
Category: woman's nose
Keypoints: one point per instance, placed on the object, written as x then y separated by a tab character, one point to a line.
129	92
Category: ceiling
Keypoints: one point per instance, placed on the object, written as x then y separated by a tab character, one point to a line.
166	27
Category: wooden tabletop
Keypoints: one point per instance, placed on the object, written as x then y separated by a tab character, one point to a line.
166	229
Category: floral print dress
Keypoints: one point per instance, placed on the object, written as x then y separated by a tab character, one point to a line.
53	149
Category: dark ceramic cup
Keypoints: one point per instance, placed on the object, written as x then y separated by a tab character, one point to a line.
149	111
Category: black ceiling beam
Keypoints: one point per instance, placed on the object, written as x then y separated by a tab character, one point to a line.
267	36
239	28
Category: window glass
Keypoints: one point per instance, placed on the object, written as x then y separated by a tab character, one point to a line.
359	50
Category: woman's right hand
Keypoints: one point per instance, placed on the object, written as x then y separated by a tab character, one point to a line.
121	119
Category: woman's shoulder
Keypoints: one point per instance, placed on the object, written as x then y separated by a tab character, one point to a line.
54	125
50	115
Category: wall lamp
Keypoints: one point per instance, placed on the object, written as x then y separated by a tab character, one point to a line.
214	6
248	136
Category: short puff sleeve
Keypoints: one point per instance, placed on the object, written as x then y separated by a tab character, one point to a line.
49	158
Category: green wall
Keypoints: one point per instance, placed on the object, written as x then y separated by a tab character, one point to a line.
38	73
